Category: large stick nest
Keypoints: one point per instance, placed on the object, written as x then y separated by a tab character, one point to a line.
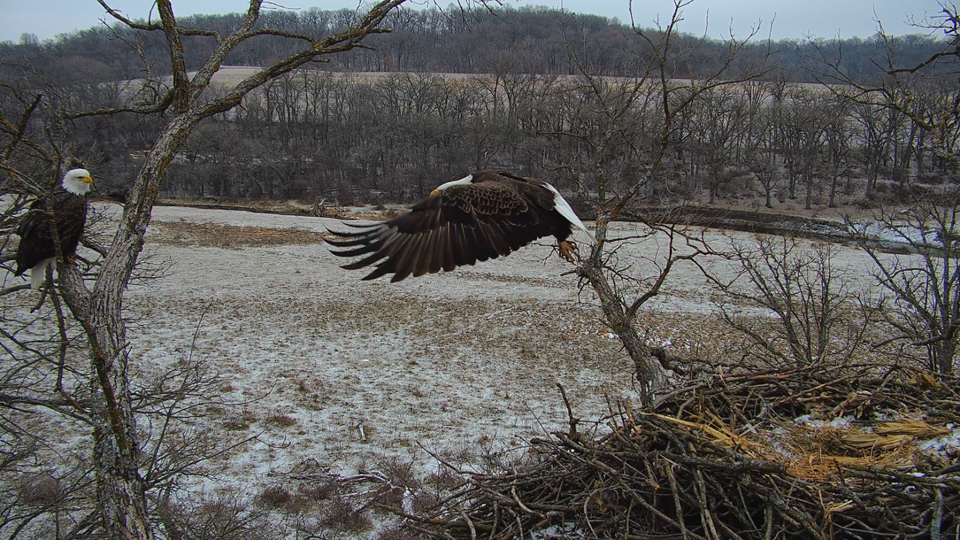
776	455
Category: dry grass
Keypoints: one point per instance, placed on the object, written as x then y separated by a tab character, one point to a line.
281	420
185	234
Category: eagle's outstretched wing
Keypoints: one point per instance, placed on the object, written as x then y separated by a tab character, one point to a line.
459	226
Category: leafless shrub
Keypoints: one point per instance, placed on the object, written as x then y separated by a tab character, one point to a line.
319	489
341	515
39	489
399	471
920	289
442	480
229	517
275	496
43	497
807	314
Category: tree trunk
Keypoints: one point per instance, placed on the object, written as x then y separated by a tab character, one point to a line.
119	486
120	489
833	190
944	356
792	182
650	373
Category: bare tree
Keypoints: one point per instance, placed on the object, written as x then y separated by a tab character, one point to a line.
720	119
876	142
816	319
922	300
837	135
765	169
787	121
757	146
621	157
121	482
810	122
922	290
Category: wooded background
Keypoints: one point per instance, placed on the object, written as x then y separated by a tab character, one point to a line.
447	92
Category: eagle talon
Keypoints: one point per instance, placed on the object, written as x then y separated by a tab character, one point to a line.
567	249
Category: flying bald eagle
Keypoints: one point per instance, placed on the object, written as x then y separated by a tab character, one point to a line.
69	207
480	217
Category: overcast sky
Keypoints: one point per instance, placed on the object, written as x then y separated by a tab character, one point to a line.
791	18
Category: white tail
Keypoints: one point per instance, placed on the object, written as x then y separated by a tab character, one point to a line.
39	272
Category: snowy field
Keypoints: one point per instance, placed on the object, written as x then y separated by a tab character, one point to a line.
327	367
319	367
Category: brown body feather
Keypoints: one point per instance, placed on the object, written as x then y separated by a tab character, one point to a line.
36	240
492	216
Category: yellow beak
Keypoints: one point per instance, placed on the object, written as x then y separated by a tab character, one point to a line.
87	180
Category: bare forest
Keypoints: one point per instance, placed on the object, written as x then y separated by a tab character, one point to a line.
434	98
758	337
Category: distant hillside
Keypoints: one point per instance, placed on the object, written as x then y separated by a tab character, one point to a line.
503	40
453	91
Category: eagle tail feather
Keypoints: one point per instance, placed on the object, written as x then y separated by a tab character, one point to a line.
351	240
39	272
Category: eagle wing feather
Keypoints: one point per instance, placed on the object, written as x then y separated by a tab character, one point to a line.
491	217
36	240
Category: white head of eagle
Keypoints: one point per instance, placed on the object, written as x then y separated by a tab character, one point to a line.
485	215
77	181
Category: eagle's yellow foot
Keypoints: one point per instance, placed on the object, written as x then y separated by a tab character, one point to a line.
567	249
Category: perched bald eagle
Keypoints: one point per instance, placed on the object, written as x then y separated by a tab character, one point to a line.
69	207
480	217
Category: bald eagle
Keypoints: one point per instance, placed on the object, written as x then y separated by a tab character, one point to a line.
480	217
69	207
